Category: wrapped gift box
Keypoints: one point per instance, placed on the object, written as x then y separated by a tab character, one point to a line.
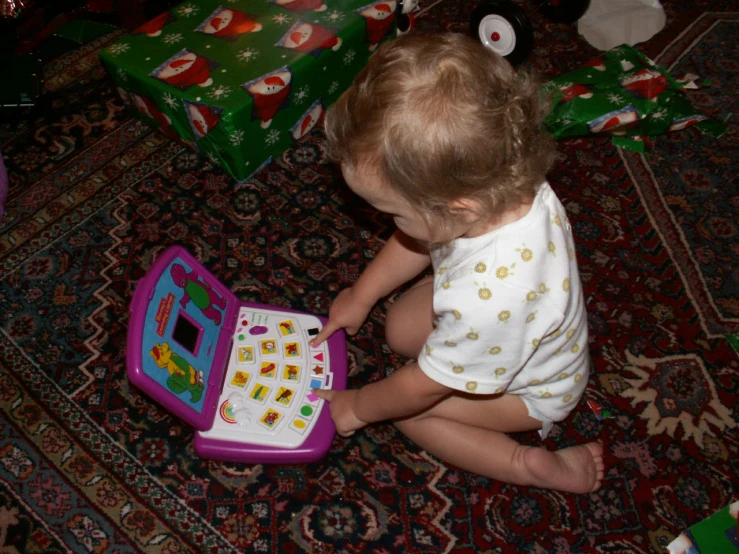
241	81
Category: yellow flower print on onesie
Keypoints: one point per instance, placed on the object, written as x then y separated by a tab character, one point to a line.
503	272
446	283
484	293
566	284
526	254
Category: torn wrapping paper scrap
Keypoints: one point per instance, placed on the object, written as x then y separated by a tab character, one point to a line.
625	95
598	410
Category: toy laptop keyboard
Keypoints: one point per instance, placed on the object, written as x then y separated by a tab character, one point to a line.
240	373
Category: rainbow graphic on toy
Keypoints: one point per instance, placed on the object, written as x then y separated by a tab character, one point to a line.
227	412
240	373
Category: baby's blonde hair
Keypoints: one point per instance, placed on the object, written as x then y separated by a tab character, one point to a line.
441	117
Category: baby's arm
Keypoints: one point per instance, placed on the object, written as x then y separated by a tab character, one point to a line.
406	392
399	261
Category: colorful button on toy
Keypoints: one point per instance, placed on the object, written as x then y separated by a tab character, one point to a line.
271	418
291	372
239	380
284	396
307	411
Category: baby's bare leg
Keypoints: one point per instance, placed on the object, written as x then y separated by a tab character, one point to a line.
409	319
470	431
452	430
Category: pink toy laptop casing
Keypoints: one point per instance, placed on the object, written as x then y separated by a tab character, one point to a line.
240	373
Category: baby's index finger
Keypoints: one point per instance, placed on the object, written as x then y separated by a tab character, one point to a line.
323	334
325	394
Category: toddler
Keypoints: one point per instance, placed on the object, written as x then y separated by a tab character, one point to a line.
443	135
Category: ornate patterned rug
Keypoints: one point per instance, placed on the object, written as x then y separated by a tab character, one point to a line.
88	464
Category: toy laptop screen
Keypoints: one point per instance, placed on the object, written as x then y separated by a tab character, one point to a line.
186	333
184	345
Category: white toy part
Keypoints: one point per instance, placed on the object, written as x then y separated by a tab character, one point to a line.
504	26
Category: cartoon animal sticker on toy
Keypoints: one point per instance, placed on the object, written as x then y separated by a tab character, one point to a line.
270	418
245	354
286	327
379	19
199	292
270	93
186	69
291	372
229	24
239	379
182	376
292	350
268	347
310	38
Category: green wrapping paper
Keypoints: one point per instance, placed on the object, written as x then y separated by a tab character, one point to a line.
242	81
625	95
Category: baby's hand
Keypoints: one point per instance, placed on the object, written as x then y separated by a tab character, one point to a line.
347	312
342	410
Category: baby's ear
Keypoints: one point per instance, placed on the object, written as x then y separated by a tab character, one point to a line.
468	209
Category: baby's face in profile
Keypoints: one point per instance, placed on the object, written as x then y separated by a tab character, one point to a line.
465	218
367	184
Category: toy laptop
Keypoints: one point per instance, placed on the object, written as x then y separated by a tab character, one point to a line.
240	373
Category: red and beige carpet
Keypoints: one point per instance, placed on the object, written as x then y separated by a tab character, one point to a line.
88	464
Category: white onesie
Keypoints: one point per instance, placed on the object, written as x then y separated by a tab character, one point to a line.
509	313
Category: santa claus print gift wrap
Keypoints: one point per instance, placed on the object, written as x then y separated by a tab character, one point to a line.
241	81
625	95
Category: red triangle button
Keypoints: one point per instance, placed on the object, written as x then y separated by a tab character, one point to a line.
319	356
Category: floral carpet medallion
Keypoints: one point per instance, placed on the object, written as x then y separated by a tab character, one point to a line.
676	394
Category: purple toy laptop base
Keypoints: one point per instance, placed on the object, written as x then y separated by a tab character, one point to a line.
240	373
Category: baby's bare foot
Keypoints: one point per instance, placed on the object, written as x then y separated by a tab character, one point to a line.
577	469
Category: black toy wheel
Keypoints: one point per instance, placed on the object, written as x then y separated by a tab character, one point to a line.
503	27
564	11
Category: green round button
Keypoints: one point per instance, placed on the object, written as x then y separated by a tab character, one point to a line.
306	411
